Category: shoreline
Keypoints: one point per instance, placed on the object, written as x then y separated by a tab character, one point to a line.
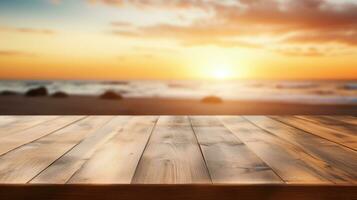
92	105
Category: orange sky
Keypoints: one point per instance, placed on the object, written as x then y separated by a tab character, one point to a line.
191	39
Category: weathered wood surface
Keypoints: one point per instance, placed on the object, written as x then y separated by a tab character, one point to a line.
228	159
344	135
277	150
172	155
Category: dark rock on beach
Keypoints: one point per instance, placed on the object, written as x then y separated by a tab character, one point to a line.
111	95
212	99
115	82
37	92
349	87
8	93
60	94
323	92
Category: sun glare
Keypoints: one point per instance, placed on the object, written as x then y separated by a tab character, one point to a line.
220	69
215	65
221	73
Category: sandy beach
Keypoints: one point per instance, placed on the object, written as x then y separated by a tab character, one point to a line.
78	105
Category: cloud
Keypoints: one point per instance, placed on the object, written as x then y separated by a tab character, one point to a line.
28	30
121	24
192	35
222	43
310	52
15	53
289	22
292	14
167	4
295	13
126	33
343	37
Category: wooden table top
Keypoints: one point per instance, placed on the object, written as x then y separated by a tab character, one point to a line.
178	150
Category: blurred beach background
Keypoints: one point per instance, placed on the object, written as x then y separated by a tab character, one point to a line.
178	57
179	97
305	92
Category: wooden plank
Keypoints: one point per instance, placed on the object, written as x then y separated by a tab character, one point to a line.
5	119
172	120
205	121
15	140
24	163
116	161
179	192
21	123
172	155
336	126
344	118
227	158
64	168
322	131
335	155
289	161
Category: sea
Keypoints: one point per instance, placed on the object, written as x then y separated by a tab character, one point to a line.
312	92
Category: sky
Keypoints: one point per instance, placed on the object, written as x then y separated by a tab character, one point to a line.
171	39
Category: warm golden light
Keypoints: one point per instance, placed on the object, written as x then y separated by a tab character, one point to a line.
220	68
119	39
221	73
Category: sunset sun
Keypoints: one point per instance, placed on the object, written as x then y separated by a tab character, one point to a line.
221	73
220	68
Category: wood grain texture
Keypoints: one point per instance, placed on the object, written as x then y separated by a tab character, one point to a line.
173	155
116	160
228	159
323	131
63	169
24	163
343	118
177	150
205	121
333	124
331	153
289	161
17	139
20	123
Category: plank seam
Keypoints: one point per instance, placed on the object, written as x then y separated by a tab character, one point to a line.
331	127
43	136
341	120
296	146
81	167
63	154
32	126
342	123
247	146
199	146
302	149
281	137
146	145
339	144
271	133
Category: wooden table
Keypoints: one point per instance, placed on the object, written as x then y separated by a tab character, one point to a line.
178	157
